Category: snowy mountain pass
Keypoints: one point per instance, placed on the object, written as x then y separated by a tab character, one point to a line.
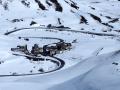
59	44
76	66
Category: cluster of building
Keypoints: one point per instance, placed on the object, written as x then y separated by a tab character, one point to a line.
46	50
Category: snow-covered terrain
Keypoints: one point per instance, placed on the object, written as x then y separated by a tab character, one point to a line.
92	28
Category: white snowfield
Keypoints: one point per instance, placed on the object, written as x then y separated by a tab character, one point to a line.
93	63
91	74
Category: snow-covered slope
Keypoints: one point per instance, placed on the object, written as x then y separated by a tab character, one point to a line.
103	74
93	74
91	26
95	16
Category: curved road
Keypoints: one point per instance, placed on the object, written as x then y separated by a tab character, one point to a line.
62	63
61	40
58	60
62	29
57	29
